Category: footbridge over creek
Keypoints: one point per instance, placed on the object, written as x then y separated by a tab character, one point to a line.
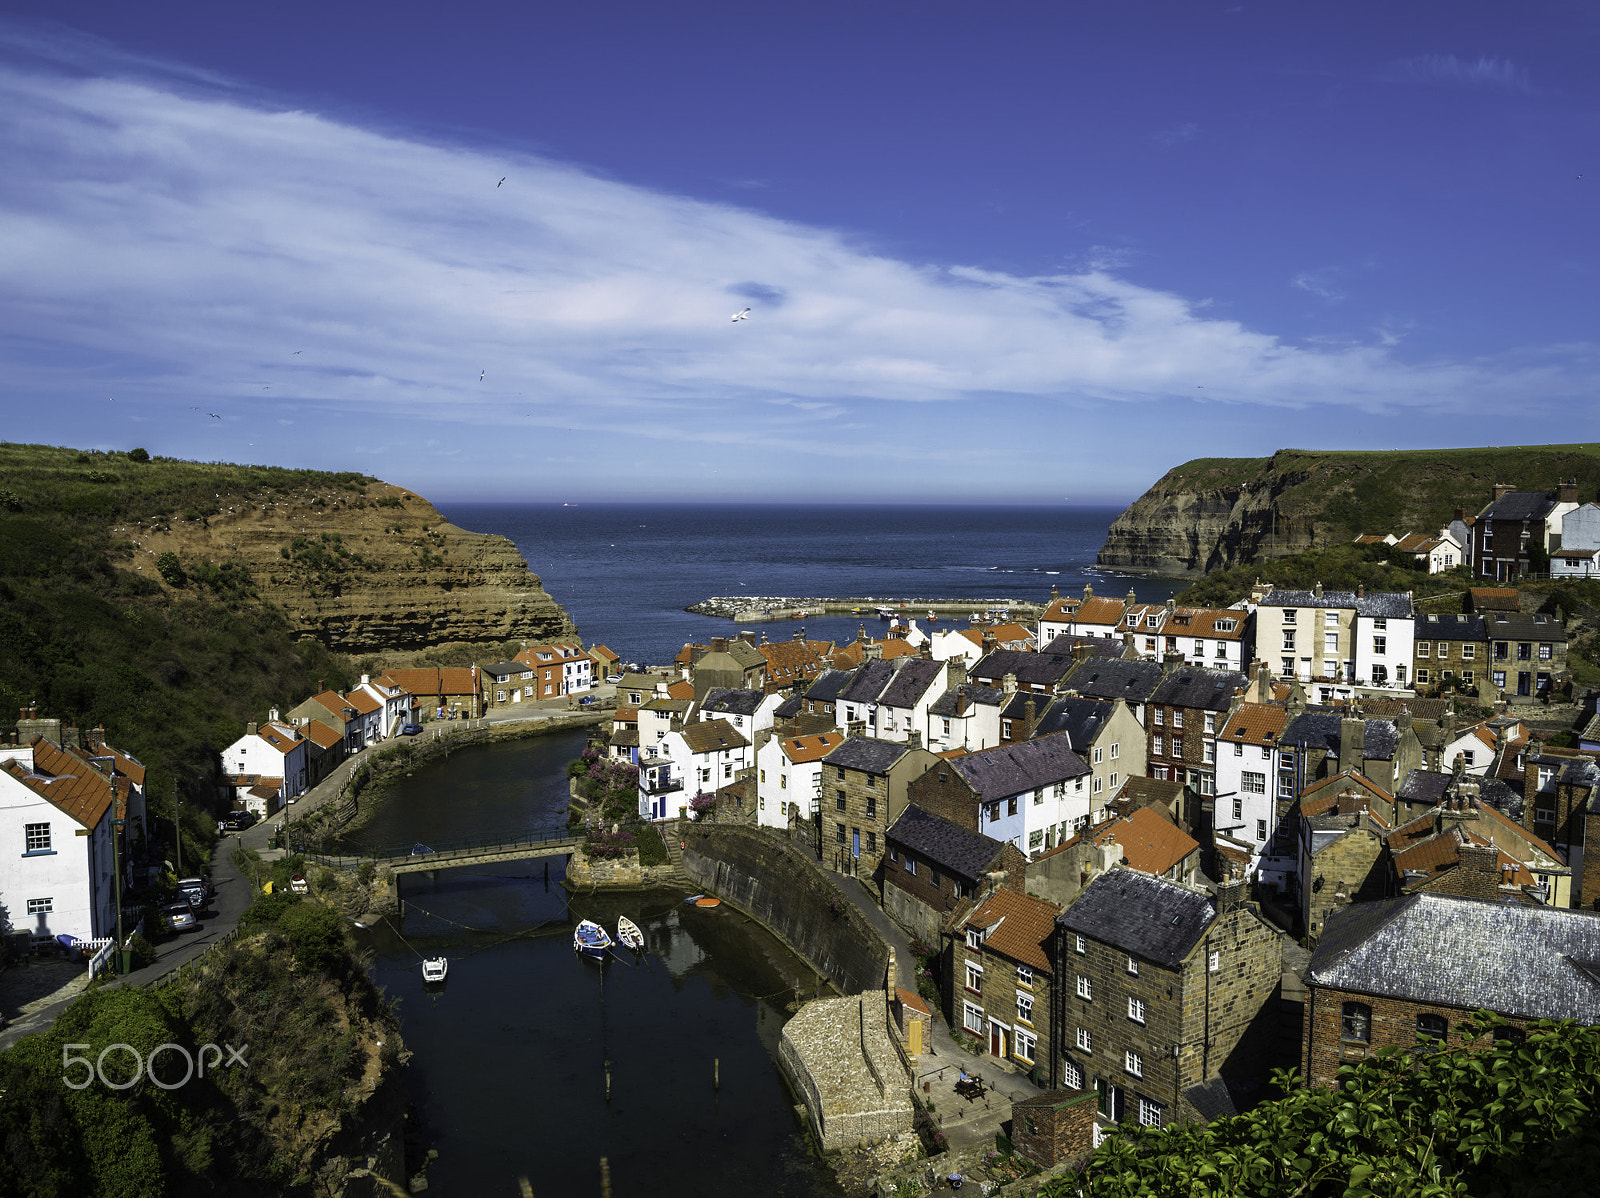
418	858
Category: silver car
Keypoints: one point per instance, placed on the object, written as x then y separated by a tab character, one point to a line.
179	917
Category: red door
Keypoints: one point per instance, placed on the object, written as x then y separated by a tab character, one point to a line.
997	1041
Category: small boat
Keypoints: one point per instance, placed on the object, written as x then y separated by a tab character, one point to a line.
706	900
629	934
693	899
434	969
591	939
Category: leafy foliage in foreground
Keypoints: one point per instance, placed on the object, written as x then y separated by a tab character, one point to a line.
1516	1118
1337	568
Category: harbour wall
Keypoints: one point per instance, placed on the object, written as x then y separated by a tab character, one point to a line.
779	886
751	609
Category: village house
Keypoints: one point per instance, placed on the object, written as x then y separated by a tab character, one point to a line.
1255	778
965	717
750	712
57	822
604	664
1184	712
1337	641
735	665
1221	638
1559	788
1512	521
1465	846
1159	993
1343	823
271	749
1578	553
789	777
1106	678
1010	670
503	682
710	752
1527	654
791	665
1141	839
447	693
559	668
902	705
822	696
1417	968
969	644
932	865
1003	974
1032	794
1094	617
1104	733
1321	742
1056	619
1449	650
864	790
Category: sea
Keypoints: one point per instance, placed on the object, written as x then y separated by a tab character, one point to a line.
625	572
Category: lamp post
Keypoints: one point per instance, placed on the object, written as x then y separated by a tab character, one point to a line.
177	824
116	865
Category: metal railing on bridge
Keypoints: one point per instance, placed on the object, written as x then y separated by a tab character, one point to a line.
460	847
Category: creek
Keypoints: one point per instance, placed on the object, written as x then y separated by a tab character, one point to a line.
510	1074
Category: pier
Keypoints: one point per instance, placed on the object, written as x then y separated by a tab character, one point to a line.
755	609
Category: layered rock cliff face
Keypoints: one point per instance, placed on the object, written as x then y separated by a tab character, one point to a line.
1212	513
359	570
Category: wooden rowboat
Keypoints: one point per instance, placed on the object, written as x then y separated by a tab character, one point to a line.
707	901
629	934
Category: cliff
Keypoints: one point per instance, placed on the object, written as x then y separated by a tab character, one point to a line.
368	570
1213	513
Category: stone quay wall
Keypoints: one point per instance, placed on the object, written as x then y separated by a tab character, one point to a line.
779	886
841	1059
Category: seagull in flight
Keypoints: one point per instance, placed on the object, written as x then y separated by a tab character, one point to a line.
503	178
213	416
481	373
744	315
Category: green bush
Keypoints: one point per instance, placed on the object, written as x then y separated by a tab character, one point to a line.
316	934
365	872
267	910
168	566
652	849
138	455
324	880
144	953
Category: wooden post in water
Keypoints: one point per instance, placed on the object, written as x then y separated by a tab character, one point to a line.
605	1178
608	1082
716	1073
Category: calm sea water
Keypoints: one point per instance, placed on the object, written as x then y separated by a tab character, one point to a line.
509	1076
624	572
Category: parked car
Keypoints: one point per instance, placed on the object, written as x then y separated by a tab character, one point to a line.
613	677
179	917
411	730
197	892
236	821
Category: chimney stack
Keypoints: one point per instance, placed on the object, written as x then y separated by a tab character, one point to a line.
1567	490
914	739
1317	590
1501	490
1029	718
1008	684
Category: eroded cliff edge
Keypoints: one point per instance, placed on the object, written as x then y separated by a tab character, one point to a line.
1212	513
364	568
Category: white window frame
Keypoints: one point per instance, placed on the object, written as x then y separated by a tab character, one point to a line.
1132	1063
1085	1040
1085	987
1136	1009
972	1018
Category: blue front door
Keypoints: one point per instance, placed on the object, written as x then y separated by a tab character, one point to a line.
855	843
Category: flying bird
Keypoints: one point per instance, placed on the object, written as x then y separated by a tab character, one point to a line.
481	373
503	178
745	315
213	416
299	351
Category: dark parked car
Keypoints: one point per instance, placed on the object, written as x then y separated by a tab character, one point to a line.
197	892
236	821
411	730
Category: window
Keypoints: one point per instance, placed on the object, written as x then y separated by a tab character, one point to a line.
1499	677
1036	839
994	812
1288	668
1290	615
1524	650
1286	786
1024	976
1133	1063
1160	715
1238	808
38	837
872	842
1158	743
1011	805
972	1018
1113	779
1085	988
1500	650
975	938
838	800
1136	1010
1214	962
1423	648
1099	785
1177	717
872	806
1400	675
1005	729
1115	750
911	865
1085	1040
1025	1008
1422	676
838	833
1099	755
975	978
1432	1027
1261	830
1149	1112
1038	797
1288	639
41	906
1023	1045
1330	644
783	781
1238	748
1466	677
1081	946
1208	751
1071	1075
1544	651
1177	746
1469	652
1356	1023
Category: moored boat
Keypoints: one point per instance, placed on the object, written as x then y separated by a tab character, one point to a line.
591	939
705	900
435	969
629	934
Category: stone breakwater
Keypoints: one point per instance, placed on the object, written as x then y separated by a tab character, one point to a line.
753	608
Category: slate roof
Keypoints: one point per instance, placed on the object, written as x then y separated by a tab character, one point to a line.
1192	686
910	682
732	702
1450	627
1080	719
1503	625
827	687
789	708
1324	730
1105	679
1011	769
868	681
1385	605
710	736
1423	786
1066	644
949	846
1211	1099
1151	918
1527	961
868	754
1520	505
1031	669
1020	927
945	704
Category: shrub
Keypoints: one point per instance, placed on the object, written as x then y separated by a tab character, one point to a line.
703	805
365	872
324	880
652	849
267	910
316	934
144	953
138	455
168	566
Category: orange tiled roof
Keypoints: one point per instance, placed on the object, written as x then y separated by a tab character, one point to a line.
800	749
1007	636
911	1001
1026	925
1260	724
280	736
1150	843
364	703
1060	610
321	735
1494	598
65	782
1203	621
450	681
682	689
1098	610
625	715
125	765
1412	542
603	653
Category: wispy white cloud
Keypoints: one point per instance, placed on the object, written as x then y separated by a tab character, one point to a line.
1177	135
1500	73
1320	283
183	243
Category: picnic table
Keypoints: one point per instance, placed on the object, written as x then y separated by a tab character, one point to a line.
971	1088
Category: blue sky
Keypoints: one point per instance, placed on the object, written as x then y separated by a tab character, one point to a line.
1001	252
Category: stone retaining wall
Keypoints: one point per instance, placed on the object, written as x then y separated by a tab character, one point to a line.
619	873
782	888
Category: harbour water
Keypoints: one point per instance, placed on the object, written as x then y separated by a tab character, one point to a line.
624	572
510	1072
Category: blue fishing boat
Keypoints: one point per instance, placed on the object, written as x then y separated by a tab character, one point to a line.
591	939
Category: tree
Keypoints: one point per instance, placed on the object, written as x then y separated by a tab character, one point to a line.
168	566
138	455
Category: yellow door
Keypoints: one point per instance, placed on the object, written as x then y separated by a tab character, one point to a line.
915	1047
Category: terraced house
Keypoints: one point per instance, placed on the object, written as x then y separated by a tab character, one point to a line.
1003	974
864	789
1032	794
1448	649
1337	641
1186	709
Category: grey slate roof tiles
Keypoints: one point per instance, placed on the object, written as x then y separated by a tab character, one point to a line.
1463	952
867	753
1388	605
828	685
911	681
868	681
1080	719
1106	679
1520	505
1191	686
1095	646
1149	917
1450	627
946	704
732	702
1011	769
1031	669
949	846
1324	730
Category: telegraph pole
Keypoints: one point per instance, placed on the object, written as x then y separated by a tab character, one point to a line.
177	824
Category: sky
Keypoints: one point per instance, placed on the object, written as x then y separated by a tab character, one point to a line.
1011	252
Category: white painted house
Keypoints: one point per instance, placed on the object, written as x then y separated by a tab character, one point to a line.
1252	777
273	750
789	777
57	818
1579	553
